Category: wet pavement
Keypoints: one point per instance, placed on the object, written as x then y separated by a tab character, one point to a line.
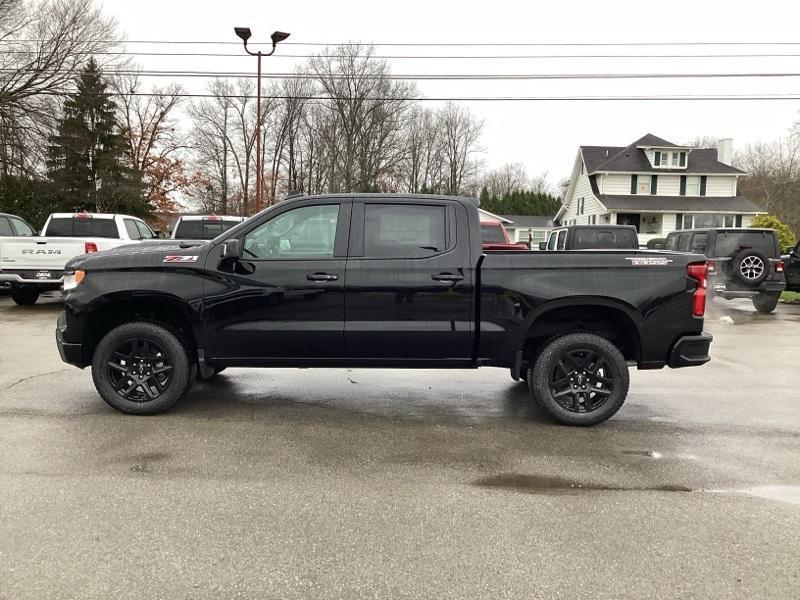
323	483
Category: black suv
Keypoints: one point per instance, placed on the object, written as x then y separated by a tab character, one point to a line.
743	263
791	262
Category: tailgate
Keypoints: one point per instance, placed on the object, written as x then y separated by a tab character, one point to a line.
38	252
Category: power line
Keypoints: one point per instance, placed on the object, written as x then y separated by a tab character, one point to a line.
663	97
434	57
435	44
432	77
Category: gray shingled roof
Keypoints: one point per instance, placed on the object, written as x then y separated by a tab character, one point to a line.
682	204
631	159
525	221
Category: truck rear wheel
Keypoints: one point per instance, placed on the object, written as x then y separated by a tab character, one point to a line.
24	295
142	368
580	379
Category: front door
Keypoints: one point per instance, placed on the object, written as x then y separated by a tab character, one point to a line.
285	297
409	283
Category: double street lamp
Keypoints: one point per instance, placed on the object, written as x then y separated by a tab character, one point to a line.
277	36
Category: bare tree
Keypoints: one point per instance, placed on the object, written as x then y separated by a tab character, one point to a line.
461	132
506	179
44	46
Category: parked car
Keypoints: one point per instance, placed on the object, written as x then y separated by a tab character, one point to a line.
495	237
791	268
12	225
592	237
35	264
743	263
203	227
378	280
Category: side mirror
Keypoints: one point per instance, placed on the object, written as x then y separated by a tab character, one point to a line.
232	249
790	250
542	245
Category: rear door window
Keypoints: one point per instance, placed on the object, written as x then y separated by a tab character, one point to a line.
404	230
130	227
699	243
730	242
672	242
5	227
21	227
562	239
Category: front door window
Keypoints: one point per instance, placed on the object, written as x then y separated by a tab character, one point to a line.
307	233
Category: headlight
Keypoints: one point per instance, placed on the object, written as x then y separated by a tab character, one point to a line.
71	280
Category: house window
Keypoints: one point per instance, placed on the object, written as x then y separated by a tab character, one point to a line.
657	159
653	185
682	162
634	179
692	185
581	202
683	185
703	220
679	221
674	159
703	180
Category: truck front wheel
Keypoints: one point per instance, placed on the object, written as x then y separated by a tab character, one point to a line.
24	295
580	379
142	368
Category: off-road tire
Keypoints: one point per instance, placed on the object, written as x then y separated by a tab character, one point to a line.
765	303
24	295
176	355
614	369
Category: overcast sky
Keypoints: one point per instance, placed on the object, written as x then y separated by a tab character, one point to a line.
542	135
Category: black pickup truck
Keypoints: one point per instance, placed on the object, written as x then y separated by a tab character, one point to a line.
379	281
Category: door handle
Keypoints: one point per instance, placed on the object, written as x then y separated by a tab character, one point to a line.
322	277
447	277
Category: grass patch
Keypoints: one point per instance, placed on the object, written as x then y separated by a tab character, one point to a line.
790	297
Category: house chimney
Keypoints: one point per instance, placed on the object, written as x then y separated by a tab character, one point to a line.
725	151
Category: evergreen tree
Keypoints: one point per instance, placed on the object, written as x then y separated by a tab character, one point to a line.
87	162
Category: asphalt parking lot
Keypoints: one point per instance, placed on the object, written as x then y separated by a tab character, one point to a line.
400	484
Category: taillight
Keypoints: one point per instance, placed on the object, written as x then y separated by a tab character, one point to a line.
712	266
89	247
779	266
698	272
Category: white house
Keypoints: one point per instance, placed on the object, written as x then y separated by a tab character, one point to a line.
657	186
528	228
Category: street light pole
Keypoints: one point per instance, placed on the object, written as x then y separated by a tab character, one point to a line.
244	34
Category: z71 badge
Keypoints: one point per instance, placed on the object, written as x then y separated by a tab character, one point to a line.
649	261
179	258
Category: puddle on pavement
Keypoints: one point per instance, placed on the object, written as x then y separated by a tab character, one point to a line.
543	484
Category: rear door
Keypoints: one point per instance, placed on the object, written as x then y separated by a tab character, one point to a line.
409	291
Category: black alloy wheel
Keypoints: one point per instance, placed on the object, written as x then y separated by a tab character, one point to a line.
139	370
579	379
142	368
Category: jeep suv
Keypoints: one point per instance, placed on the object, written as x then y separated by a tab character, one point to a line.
743	263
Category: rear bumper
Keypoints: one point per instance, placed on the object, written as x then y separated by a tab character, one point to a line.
70	353
690	351
52	278
768	287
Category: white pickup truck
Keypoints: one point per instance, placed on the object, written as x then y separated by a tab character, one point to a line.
35	264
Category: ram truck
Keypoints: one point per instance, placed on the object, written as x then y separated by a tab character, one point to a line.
35	264
379	280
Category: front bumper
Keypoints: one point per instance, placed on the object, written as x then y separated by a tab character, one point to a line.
690	351
70	353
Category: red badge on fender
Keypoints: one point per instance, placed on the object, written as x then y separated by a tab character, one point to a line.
179	258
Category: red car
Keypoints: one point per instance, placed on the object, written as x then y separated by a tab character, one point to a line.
495	237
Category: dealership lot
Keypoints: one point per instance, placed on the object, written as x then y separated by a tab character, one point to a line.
359	483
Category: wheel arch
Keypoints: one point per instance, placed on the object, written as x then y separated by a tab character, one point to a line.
113	310
619	323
